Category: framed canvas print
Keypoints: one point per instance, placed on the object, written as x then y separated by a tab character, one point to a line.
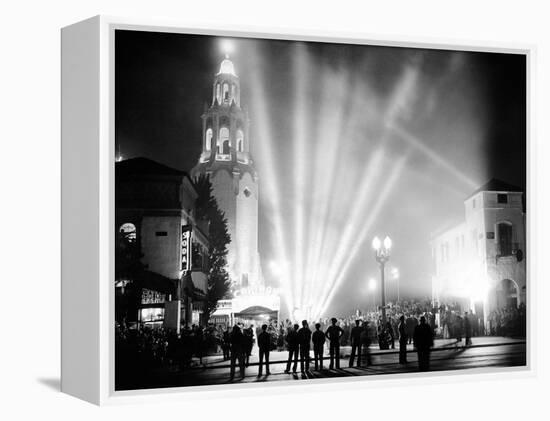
246	210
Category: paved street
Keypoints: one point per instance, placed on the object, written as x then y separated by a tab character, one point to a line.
447	355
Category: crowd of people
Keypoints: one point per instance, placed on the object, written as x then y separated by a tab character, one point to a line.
508	321
160	347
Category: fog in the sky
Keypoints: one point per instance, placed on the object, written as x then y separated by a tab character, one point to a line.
346	138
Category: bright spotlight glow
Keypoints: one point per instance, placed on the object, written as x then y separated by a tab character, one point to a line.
419	145
227	46
363	227
324	193
372	284
272	190
298	314
479	290
395	273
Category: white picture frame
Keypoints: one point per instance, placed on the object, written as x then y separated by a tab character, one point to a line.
88	156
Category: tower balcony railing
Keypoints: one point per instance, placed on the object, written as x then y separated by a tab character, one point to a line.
223	157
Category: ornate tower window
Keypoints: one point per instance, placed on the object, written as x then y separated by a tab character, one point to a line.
225	92
240	140
208	138
223	145
218	93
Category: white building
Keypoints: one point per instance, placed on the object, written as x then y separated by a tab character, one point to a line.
480	263
226	159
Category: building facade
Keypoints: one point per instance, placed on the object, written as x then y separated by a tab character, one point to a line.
480	263
227	161
162	251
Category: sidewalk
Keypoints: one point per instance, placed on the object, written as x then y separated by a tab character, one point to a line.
345	351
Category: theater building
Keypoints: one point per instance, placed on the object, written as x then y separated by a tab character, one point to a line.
480	262
161	250
226	159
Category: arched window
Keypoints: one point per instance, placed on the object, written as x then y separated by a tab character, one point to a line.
225	92
240	138
218	93
223	141
208	138
507	294
504	232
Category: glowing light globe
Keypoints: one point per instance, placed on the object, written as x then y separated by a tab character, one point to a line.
227	67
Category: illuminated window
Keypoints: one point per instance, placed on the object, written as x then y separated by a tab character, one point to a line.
240	137
225	92
223	141
218	92
208	139
151	315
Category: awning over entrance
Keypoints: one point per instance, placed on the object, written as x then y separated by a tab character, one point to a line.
256	311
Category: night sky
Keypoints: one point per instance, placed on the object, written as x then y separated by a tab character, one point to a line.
456	118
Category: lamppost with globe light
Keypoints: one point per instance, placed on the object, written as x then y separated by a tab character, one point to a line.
382	255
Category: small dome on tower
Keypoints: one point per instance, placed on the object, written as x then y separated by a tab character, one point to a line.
227	67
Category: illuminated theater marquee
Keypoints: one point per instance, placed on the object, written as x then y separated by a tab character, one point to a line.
255	291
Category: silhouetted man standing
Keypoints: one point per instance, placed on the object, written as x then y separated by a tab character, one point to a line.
333	334
293	346
467	329
318	339
355	337
226	344
237	351
402	340
365	342
411	323
264	345
423	341
304	337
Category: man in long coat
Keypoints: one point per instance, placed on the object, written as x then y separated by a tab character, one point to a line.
333	334
423	342
264	346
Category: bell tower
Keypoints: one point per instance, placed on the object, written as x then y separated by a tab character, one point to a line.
226	159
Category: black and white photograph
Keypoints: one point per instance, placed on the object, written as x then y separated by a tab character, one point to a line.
290	210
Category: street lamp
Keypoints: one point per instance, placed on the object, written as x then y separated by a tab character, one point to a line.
382	255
